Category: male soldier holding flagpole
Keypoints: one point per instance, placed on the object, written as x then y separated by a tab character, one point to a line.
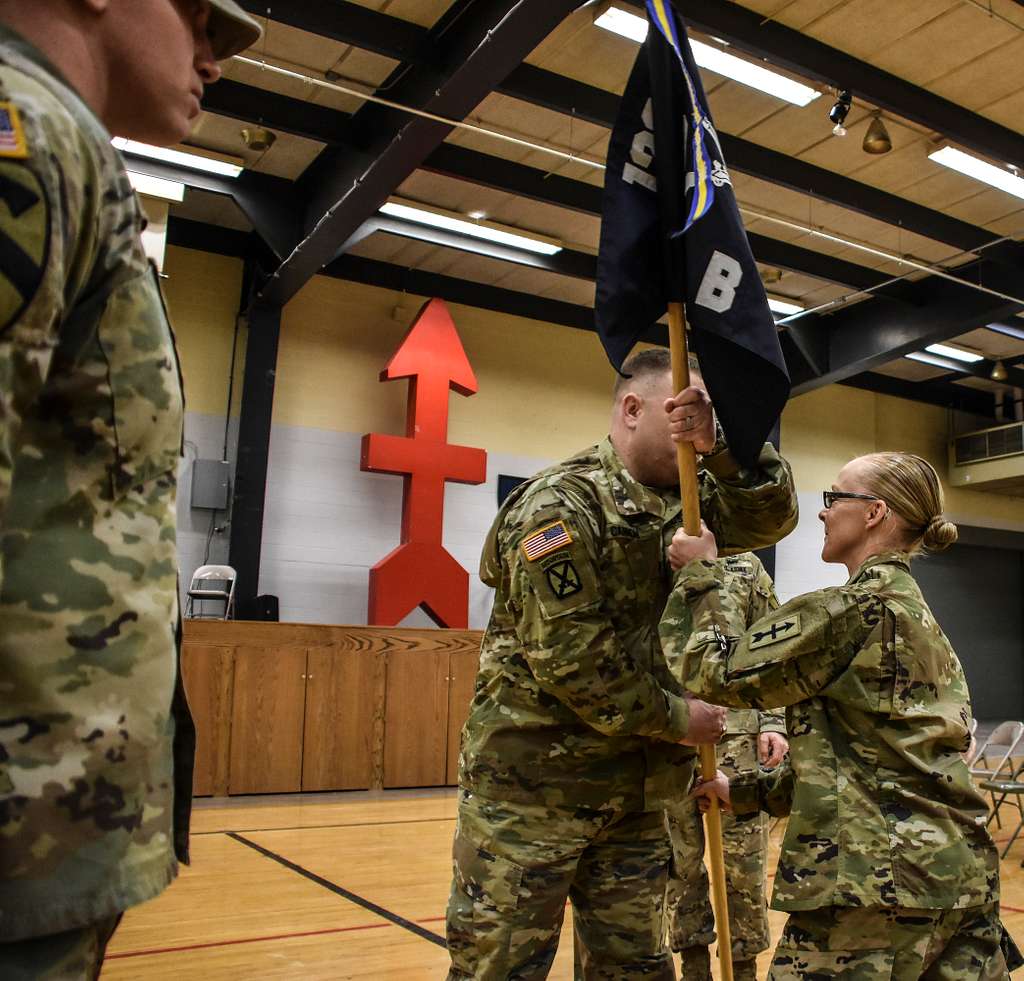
95	737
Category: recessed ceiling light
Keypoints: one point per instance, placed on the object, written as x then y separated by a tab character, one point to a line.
1008	330
478	215
980	170
954	352
194	161
489	233
784	307
928	359
157	187
634	27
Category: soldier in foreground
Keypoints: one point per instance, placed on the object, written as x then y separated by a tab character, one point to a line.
752	739
887	868
575	737
94	803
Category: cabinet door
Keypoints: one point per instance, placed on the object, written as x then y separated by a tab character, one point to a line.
416	719
266	724
340	700
207	673
462	670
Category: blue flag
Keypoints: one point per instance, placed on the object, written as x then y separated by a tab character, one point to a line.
671	231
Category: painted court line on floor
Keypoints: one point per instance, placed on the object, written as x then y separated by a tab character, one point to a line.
313	827
386	914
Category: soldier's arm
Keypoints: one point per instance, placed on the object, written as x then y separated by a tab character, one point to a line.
764	602
786	657
36	233
764	790
748	508
572	648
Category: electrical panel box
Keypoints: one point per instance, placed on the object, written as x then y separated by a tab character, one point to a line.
211	483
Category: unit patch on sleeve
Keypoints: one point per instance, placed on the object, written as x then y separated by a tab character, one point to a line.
24	238
545	540
780	630
563	577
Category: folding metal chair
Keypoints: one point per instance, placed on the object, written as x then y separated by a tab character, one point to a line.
1012	787
211	583
972	749
994	759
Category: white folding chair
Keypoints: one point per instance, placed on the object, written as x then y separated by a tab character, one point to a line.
211	583
972	750
995	757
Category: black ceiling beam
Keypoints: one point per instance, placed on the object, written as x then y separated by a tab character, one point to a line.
868	335
478	48
563	95
250	104
786	48
348	23
269	202
939	393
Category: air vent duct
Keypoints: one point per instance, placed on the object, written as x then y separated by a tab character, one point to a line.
990	460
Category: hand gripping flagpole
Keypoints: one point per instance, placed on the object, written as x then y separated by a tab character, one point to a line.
686	459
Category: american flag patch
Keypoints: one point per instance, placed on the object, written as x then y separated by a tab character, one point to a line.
12	136
546	540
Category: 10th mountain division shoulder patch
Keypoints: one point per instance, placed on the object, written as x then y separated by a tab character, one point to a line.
563	577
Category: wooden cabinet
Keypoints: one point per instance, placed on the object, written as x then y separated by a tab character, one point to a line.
266	721
287	707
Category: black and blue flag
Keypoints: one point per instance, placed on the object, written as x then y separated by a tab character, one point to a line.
671	232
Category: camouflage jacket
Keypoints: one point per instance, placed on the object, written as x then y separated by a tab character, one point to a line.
574	703
882	807
92	805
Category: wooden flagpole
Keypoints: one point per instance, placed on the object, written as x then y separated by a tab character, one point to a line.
686	457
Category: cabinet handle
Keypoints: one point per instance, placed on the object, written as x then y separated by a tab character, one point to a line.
303	677
309	676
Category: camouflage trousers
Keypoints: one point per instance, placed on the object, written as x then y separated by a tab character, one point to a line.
744	841
877	943
76	955
516	865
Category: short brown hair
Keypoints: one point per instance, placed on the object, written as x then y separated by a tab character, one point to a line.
649	363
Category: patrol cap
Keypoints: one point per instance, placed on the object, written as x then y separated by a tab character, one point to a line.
231	29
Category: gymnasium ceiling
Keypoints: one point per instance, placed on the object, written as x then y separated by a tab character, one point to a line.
940	71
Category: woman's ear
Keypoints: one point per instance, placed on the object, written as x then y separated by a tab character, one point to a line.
876	514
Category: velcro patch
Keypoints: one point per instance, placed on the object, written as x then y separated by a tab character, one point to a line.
563	577
547	539
12	134
780	630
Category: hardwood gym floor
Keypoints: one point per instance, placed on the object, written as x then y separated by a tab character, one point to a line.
332	887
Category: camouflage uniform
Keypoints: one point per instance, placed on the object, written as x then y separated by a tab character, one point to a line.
744	838
886	850
571	747
93	806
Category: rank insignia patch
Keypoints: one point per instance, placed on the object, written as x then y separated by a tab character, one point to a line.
12	136
546	540
780	630
564	579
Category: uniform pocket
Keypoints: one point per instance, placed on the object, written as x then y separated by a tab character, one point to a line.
485	877
794	964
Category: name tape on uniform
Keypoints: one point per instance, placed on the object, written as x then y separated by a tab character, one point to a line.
545	540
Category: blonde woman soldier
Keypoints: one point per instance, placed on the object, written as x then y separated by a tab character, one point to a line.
887	869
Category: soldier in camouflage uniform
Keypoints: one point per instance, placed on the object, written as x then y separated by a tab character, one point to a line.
93	803
572	746
887	868
752	739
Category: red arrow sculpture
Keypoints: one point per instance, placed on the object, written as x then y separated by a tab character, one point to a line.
420	572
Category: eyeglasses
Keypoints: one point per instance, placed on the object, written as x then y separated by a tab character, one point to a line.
830	497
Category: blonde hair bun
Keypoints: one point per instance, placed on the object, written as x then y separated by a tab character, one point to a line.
939	534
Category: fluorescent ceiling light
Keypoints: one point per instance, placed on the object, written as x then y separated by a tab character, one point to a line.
634	27
193	161
1007	330
784	307
928	359
488	233
157	187
945	351
980	170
